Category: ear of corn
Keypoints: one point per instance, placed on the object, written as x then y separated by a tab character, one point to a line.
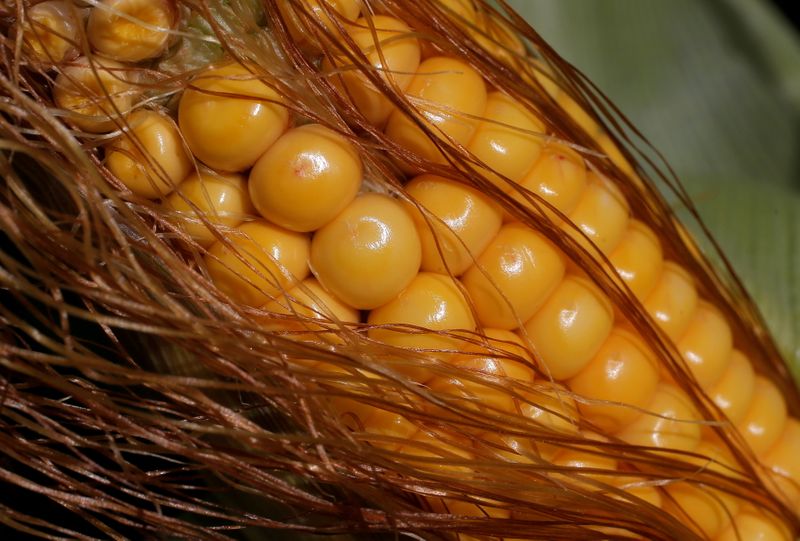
428	257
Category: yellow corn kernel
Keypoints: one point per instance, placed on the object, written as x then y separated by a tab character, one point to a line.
558	177
262	261
469	222
368	253
306	178
131	30
755	526
450	97
392	51
638	259
706	345
624	373
50	31
571	326
673	301
602	214
513	277
669	421
734	391
341	12
230	118
551	407
765	419
508	139
150	158
432	302
220	198
96	93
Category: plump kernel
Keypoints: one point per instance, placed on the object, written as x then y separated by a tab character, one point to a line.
706	345
50	31
306	178
309	300
733	393
558	177
150	159
578	114
702	508
278	258
602	214
552	408
450	96
588	466
783	459
230	132
96	92
765	418
669	422
673	301
393	52
368	253
300	28
432	301
507	140
469	222
638	259
753	526
625	372
571	326
131	30
220	198
513	277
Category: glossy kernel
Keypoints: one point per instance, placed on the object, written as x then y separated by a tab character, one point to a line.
300	28
706	345
221	199
449	95
150	159
578	114
431	301
733	393
552	408
230	132
569	329
623	371
393	52
131	30
306	178
50	31
765	418
602	214
508	139
278	257
783	457
752	526
558	177
521	270
94	98
673	301
469	222
638	259
368	253
669	422
708	511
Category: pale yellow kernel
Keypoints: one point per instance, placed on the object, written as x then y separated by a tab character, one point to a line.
432	302
508	139
273	259
624	372
602	214
673	301
669	422
96	92
449	96
460	224
306	178
571	326
230	118
50	31
368	253
733	393
638	259
765	418
393	52
706	345
219	198
131	30
513	277
149	158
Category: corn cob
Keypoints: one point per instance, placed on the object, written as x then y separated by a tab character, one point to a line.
518	324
